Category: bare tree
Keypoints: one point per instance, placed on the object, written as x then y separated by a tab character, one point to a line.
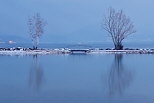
36	29
119	26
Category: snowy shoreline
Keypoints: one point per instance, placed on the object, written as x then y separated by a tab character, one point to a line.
29	51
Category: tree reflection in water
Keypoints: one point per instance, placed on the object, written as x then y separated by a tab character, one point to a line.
119	77
36	74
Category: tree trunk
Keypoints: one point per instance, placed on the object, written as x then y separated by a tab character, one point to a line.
37	42
118	47
33	44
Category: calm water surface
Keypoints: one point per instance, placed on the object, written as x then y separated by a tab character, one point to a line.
79	45
77	79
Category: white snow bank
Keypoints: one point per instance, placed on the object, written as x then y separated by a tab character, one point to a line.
33	52
67	51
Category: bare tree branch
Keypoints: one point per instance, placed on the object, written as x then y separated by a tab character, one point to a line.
119	26
36	29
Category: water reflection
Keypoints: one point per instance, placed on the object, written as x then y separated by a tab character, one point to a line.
119	77
35	74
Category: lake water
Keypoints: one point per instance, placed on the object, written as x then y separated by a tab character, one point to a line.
103	78
79	45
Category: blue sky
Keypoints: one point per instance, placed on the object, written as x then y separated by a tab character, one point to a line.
75	20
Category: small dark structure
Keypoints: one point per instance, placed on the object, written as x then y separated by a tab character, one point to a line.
77	51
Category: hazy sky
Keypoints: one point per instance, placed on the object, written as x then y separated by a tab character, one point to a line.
75	20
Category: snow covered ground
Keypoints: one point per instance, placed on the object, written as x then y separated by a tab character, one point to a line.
67	51
33	52
141	51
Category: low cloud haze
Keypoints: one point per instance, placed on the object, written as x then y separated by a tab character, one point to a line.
74	20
